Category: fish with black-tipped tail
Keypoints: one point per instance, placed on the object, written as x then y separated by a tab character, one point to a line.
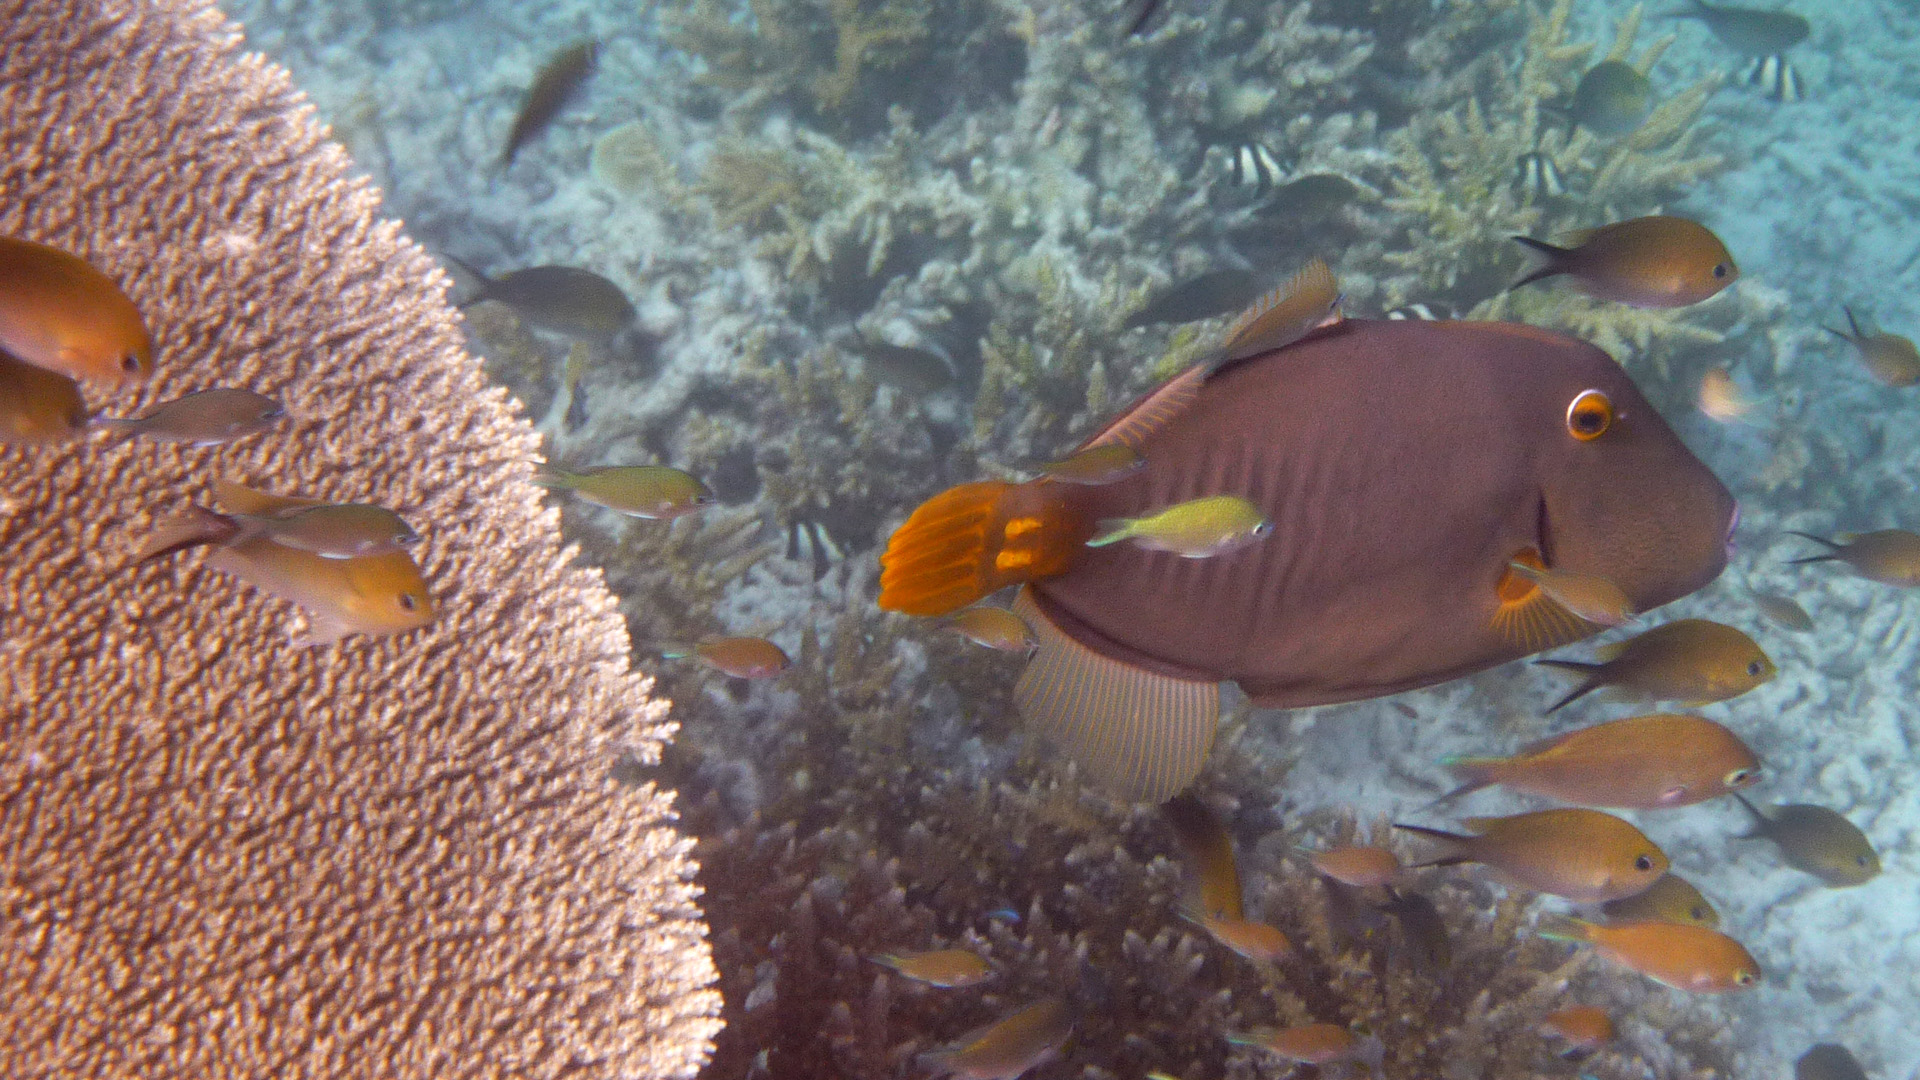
1581	855
1888	556
1689	660
1816	840
1891	359
1653	262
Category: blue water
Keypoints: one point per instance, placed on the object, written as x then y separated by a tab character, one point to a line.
1025	174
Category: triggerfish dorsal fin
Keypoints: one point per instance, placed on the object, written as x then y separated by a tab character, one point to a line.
1142	735
971	541
1306	302
1528	617
1209	852
1152	410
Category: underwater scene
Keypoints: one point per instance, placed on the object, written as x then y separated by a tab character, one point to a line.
1184	539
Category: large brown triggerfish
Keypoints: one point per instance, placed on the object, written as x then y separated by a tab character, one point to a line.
1404	466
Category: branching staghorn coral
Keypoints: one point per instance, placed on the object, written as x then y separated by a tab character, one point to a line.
221	854
819	49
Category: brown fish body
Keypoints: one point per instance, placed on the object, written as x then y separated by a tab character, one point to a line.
59	313
1584	1027
1312	1044
205	417
945	968
1688	660
1359	866
1005	1049
1403	466
1456	433
1817	841
564	299
38	407
1684	957
1582	855
1888	556
1671	899
1891	359
1753	32
1656	262
556	81
1213	873
1641	763
1828	1061
740	657
376	595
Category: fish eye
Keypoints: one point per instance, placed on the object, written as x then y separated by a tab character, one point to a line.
1589	415
1744	978
1740	778
1643	863
407	601
1699	913
1860	861
1754	669
1719	270
130	364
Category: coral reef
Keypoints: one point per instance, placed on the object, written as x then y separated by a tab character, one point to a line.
224	855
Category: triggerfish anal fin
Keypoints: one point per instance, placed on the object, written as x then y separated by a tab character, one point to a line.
971	541
1305	303
1142	735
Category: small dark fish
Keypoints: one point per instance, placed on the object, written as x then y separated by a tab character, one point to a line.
740	657
1888	556
1782	611
1889	358
1818	841
562	74
38	407
1690	660
1008	1047
1421	934
1255	168
1749	31
994	628
1423	311
1612	98
1535	172
1775	78
1654	262
1214	293
655	492
916	370
565	299
1139	20
1671	899
331	531
946	968
1314	193
1828	1061
1583	1028
204	418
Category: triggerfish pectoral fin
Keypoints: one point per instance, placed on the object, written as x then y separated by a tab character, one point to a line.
1142	735
968	542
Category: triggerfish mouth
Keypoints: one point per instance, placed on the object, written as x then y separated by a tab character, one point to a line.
1404	466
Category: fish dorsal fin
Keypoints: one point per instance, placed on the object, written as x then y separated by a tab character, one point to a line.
1305	303
1151	412
1142	735
237	498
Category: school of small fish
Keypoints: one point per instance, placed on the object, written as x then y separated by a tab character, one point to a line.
1108	545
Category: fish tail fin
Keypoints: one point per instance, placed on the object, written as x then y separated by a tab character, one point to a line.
1553	264
1760	820
551	477
1478	772
1830	545
482	284
1455	842
198	527
1592	683
1141	734
1853	324
1110	531
1564	928
971	541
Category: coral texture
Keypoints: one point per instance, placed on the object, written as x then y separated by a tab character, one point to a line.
222	855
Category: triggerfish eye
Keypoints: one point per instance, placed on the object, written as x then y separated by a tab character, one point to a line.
1589	415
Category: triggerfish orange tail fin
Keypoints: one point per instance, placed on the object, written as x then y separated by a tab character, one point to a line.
968	542
1142	735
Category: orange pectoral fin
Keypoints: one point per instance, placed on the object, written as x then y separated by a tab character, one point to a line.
973	540
1527	617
